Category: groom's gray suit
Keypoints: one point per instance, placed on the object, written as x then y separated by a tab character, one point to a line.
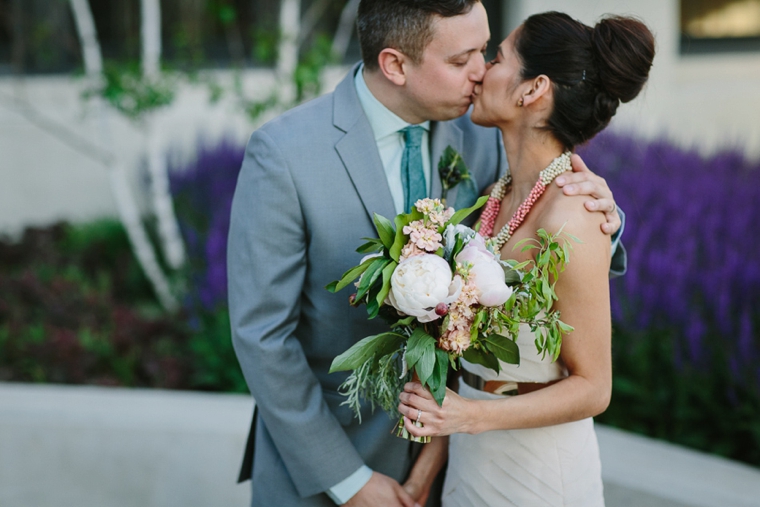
309	184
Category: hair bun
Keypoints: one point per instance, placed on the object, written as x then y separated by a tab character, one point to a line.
624	49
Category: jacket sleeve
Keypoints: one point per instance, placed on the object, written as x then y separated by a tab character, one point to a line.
266	268
619	264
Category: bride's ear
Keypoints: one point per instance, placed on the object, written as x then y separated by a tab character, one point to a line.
392	64
540	88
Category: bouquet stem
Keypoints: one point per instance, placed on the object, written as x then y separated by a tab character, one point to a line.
402	432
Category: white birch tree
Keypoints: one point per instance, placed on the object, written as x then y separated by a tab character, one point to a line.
163	207
125	202
344	30
287	50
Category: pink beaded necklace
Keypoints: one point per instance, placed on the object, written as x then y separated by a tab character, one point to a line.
493	205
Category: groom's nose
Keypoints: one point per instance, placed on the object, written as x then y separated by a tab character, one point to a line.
479	69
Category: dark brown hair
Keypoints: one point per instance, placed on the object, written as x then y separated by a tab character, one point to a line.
404	25
592	70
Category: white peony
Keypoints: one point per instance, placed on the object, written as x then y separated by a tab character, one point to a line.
420	283
486	274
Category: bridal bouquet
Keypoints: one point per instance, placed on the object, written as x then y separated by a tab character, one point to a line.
446	295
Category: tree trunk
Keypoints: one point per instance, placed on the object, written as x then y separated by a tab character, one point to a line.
125	201
168	229
310	19
287	51
150	35
344	30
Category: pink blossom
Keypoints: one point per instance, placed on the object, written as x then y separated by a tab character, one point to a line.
416	226
426	239
457	320
410	250
458	340
427	206
469	296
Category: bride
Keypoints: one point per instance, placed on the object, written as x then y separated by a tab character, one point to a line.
525	437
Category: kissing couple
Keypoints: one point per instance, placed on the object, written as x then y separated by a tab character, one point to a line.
310	183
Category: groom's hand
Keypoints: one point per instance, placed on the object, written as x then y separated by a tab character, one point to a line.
583	182
381	491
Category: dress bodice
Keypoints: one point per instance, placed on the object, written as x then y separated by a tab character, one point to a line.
532	367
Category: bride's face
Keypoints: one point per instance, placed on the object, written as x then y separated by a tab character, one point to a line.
495	99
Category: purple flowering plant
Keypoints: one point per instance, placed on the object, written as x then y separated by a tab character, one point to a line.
686	347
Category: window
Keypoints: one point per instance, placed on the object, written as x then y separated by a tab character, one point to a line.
714	26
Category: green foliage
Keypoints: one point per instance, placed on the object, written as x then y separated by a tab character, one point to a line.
306	76
214	364
75	308
265	45
308	72
133	94
538	283
461	214
367	349
708	409
452	171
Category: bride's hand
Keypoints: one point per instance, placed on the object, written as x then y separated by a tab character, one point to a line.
583	182
456	415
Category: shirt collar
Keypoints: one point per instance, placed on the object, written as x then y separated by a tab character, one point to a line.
383	121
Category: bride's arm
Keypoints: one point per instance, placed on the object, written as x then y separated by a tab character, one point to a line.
583	292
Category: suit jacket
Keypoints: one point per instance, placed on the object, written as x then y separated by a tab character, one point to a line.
310	182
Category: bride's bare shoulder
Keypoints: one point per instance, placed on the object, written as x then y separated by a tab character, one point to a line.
569	214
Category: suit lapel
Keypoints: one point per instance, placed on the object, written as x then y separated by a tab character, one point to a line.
358	151
443	134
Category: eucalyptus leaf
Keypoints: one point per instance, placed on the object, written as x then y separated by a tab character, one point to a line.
405	322
373	308
440	373
350	275
418	342
371	275
478	356
371	246
464	213
386	288
426	364
377	345
503	348
385	230
400	238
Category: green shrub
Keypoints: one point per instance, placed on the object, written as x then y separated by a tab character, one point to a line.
76	308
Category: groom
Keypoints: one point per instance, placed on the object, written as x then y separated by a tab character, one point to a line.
309	185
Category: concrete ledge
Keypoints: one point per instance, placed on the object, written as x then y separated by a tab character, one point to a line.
673	473
104	447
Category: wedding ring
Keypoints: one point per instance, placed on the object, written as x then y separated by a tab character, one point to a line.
419	414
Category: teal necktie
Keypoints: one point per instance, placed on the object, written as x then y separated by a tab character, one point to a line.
412	174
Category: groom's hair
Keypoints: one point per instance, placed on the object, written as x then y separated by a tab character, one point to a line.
404	25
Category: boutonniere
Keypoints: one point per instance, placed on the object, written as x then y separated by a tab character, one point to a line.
452	171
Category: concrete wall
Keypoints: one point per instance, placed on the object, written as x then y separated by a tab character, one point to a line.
106	447
43	179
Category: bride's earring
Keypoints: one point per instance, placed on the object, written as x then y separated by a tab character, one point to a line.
520	102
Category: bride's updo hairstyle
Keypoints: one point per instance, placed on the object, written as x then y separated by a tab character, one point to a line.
593	70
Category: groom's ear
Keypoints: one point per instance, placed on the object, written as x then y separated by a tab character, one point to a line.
392	63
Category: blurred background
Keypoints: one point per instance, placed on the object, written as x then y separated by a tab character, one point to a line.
122	130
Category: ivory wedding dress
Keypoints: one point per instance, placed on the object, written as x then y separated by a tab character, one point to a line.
541	467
